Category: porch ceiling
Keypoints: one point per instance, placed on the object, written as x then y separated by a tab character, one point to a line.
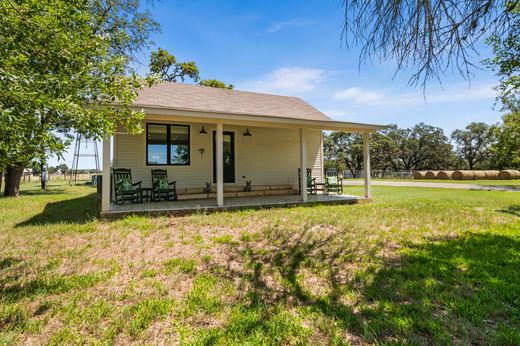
168	114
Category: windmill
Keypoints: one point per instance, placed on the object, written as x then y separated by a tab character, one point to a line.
77	154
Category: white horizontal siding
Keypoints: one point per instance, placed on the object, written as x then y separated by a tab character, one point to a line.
270	156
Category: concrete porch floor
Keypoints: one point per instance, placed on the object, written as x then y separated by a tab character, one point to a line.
233	203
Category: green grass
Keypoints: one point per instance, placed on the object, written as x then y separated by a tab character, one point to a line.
415	266
515	182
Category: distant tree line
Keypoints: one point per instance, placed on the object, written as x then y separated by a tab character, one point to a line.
424	147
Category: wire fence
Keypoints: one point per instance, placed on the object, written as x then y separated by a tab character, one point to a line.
30	177
380	174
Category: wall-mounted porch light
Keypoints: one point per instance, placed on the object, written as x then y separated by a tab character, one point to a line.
203	131
247	133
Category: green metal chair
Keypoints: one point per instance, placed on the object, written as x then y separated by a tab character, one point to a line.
124	188
333	182
162	188
311	182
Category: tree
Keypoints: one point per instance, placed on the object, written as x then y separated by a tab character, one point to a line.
165	66
474	144
383	149
430	37
507	65
63	168
63	68
344	148
214	83
506	150
421	147
168	69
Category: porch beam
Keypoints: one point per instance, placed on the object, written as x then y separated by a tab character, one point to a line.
219	142
303	165
366	165
105	186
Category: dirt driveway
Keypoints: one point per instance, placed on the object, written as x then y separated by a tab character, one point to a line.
434	185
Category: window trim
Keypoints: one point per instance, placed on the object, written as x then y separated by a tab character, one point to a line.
168	145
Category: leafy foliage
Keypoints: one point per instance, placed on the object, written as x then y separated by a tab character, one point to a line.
506	150
63	68
214	83
474	144
165	65
345	149
507	64
420	147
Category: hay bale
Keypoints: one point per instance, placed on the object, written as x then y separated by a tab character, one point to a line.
479	175
491	174
431	174
509	174
463	175
445	175
419	175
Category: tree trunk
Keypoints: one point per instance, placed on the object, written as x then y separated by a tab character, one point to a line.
43	176
13	176
1	178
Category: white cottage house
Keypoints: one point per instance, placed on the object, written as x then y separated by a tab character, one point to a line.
225	138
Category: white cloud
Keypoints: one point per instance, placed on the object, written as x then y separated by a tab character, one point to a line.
287	81
456	93
336	113
277	26
360	95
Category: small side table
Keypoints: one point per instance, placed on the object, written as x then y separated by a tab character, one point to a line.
321	187
147	194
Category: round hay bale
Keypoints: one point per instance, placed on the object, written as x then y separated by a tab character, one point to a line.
445	175
509	174
431	174
491	174
419	175
479	175
463	175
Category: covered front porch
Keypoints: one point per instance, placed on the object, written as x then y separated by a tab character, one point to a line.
277	151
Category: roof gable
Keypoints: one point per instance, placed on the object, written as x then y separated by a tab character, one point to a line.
215	100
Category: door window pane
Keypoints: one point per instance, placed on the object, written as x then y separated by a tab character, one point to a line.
157	144
179	145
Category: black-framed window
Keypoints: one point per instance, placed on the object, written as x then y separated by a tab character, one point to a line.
167	144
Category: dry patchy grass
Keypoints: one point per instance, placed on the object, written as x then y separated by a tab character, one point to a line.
415	267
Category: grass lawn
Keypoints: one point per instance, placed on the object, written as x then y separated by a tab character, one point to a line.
513	183
416	266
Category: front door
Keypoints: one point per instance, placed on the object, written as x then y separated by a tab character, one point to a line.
229	157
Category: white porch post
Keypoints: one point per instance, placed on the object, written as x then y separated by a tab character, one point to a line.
303	165
219	142
366	165
105	187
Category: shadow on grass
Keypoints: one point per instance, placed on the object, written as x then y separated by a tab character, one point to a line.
463	289
76	210
501	187
511	210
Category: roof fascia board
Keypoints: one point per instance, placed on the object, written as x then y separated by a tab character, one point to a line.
255	120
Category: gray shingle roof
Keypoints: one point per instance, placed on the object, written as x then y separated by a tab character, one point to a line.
214	100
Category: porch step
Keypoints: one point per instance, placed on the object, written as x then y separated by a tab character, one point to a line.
235	188
241	193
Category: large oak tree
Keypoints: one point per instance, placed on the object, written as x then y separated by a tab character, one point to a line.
64	68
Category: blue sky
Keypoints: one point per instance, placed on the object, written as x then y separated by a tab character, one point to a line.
294	48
